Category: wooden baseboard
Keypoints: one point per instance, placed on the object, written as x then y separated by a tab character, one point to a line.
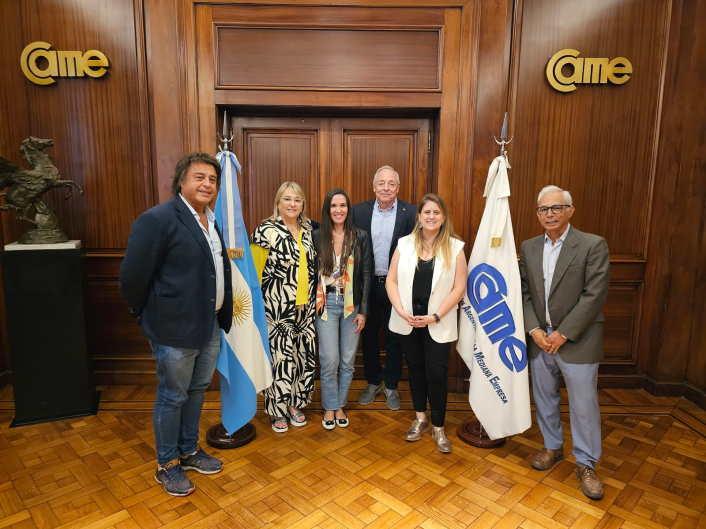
695	395
663	389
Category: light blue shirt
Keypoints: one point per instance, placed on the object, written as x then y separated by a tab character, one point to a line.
214	243
381	230
550	257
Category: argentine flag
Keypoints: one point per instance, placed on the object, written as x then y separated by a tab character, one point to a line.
491	334
244	362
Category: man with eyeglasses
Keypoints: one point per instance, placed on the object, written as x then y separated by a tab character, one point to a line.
565	278
386	219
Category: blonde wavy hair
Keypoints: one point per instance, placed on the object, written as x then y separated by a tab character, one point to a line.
442	243
302	218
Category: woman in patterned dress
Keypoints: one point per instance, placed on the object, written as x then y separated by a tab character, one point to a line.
284	256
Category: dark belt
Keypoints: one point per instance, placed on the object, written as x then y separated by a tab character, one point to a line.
333	289
380	279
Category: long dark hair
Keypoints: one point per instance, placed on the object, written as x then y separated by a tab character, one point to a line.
325	249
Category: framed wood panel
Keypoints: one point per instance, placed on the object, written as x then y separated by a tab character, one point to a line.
359	147
306	58
276	150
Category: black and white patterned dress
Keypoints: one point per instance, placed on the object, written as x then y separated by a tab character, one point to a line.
291	330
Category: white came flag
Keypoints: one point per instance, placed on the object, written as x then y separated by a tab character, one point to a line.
491	328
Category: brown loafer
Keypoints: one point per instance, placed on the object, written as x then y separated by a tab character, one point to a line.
545	459
442	443
590	484
417	429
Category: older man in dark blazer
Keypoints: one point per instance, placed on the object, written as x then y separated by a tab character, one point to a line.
565	278
176	280
386	219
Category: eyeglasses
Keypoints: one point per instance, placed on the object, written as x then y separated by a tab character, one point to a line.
289	200
556	209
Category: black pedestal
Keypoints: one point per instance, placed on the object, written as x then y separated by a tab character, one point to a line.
52	375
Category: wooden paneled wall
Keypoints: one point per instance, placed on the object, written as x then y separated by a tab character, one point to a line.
632	155
101	140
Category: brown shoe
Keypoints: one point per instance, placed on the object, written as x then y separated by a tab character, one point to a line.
545	459
417	429
590	484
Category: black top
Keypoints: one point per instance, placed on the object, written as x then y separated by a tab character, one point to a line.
421	287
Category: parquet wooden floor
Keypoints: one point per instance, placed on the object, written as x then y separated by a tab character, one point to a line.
97	472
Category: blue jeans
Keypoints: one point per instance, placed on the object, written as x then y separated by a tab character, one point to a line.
338	342
584	414
184	375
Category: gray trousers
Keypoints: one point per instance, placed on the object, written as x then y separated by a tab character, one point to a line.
582	386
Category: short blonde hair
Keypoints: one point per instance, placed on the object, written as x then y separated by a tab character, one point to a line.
302	218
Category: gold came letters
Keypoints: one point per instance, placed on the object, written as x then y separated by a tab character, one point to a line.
61	63
586	71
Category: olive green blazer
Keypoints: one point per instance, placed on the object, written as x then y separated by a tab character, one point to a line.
578	291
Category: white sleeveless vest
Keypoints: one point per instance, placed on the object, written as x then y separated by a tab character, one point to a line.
442	284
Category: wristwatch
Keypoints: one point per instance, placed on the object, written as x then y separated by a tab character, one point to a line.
436	317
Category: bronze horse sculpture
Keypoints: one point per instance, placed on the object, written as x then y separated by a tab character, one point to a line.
25	187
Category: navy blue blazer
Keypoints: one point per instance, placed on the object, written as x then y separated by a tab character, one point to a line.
405	220
168	278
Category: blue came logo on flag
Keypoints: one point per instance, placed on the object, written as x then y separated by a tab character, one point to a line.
495	316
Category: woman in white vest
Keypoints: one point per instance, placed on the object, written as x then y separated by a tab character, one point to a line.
425	282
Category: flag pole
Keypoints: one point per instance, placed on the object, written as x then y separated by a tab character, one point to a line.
217	436
472	431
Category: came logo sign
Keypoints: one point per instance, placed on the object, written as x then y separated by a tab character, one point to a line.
60	63
586	71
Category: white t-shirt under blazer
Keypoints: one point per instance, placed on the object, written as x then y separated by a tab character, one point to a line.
441	285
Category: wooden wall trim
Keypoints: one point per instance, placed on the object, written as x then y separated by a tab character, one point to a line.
141	59
671	270
373	16
166	101
350	3
334	99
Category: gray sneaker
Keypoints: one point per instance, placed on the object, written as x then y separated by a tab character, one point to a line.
393	399
368	396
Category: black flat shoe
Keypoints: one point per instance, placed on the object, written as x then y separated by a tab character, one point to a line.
329	425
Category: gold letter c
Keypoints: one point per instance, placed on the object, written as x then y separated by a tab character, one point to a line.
29	55
567	56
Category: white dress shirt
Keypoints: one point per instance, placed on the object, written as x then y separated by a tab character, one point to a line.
382	227
214	243
550	257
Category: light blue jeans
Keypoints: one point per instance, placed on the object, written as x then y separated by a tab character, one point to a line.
184	375
584	414
338	342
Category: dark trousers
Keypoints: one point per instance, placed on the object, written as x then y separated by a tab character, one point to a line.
428	365
379	308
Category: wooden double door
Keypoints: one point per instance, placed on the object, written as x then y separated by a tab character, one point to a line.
323	153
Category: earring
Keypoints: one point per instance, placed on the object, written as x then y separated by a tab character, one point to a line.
419	225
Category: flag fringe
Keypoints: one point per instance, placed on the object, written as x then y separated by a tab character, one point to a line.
494	242
236	253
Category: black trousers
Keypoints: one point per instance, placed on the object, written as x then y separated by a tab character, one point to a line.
379	308
428	365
